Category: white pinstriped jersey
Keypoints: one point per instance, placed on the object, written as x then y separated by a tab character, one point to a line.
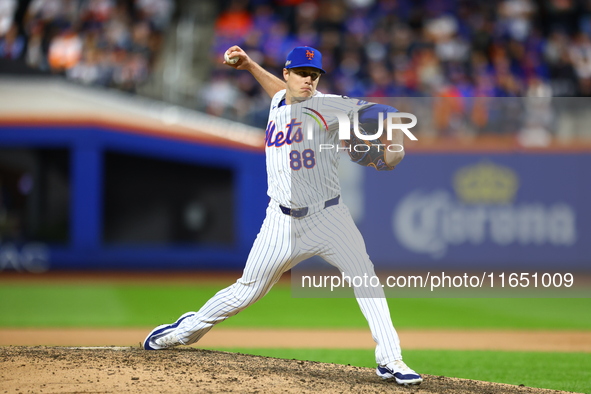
304	178
299	174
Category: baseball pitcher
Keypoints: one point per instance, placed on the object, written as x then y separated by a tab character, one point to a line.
305	216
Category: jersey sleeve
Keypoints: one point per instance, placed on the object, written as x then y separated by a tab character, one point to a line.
280	95
369	114
345	104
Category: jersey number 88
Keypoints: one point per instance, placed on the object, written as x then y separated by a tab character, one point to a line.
306	158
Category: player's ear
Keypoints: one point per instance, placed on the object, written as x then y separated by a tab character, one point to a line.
285	73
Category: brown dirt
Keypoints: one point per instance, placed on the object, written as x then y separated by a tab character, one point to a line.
510	340
126	369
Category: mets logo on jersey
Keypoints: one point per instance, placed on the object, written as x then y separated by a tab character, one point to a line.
309	54
292	131
277	138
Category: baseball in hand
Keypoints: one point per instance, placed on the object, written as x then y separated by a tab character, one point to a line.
230	60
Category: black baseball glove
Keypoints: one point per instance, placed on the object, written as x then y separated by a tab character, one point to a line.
368	153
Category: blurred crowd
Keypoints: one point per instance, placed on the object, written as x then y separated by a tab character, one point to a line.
371	48
416	48
97	42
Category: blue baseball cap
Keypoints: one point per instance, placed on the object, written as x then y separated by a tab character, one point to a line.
304	57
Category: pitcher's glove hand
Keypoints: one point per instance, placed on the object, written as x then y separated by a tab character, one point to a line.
368	153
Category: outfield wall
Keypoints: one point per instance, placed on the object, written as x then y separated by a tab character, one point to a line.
436	210
470	210
101	181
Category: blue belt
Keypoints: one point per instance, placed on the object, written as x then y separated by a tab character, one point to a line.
301	212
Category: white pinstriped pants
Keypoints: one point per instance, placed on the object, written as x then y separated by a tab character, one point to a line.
282	243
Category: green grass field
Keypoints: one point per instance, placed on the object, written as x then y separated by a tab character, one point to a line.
128	305
569	371
142	305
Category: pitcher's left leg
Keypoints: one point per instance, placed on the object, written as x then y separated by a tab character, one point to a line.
345	249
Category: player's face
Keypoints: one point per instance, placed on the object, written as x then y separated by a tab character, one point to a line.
301	81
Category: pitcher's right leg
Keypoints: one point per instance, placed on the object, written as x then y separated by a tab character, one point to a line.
270	256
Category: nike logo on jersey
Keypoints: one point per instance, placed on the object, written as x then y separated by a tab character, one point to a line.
293	133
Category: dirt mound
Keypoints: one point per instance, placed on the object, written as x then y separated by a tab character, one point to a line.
125	369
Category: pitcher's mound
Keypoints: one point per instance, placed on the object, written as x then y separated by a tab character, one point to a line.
186	370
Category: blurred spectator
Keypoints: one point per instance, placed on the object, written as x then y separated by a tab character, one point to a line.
110	43
234	23
221	97
443	31
7	10
117	30
580	53
65	51
140	39
156	12
428	68
37	49
98	10
60	14
87	71
12	44
539	115
132	71
515	19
